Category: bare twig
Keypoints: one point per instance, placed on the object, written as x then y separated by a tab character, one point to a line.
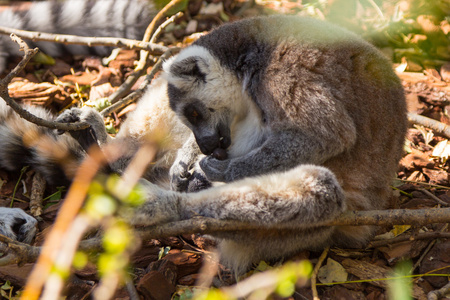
16	253
89	41
139	92
144	61
316	271
161	14
430	123
4	93
37	194
432	196
404	238
438	294
424	253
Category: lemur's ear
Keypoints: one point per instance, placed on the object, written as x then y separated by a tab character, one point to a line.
192	66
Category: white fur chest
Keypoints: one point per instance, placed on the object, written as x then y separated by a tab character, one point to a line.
248	133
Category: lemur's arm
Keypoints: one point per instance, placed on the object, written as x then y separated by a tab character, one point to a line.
303	196
281	151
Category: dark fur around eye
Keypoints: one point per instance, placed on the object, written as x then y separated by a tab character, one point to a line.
193	114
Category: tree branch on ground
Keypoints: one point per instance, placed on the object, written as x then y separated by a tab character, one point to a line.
23	113
88	41
441	293
139	92
144	63
437	126
351	218
316	271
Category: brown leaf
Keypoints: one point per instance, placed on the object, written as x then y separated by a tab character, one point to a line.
101	91
340	292
82	78
43	93
438	257
416	160
187	263
154	286
439	177
404	250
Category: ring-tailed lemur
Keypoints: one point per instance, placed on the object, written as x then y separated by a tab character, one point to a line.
114	18
312	119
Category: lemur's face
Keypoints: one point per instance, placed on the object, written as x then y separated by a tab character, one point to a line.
211	126
206	97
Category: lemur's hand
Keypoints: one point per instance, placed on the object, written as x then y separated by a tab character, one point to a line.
95	134
215	170
179	176
17	225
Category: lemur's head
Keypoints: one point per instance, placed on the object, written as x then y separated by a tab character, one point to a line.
206	96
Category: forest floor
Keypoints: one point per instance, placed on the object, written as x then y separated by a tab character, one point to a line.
170	267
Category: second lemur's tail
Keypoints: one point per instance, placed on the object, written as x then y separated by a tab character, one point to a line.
23	143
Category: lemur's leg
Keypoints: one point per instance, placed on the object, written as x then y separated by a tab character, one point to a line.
303	196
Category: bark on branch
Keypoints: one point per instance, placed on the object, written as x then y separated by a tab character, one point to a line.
23	113
26	253
437	126
82	40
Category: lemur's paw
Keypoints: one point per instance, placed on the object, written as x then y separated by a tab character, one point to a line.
215	170
95	134
17	225
71	115
198	182
179	176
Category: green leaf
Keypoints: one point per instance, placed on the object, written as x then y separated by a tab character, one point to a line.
44	59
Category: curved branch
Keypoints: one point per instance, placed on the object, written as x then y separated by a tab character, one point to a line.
82	40
23	113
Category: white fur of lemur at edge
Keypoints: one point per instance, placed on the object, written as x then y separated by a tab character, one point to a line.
312	120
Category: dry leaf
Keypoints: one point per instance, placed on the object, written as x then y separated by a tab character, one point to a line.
332	272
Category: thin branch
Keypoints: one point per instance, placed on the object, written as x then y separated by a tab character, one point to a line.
441	293
88	41
159	16
23	113
437	126
350	218
434	197
404	238
316	271
139	92
144	61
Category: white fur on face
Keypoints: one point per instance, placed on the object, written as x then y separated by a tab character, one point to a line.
223	92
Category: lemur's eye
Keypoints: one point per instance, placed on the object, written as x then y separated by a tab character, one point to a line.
194	114
211	109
